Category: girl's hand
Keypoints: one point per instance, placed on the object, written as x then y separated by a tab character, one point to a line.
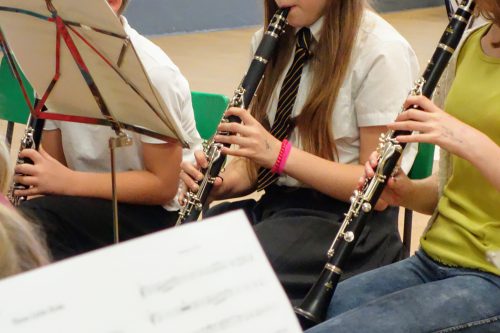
191	175
435	125
254	142
45	176
398	189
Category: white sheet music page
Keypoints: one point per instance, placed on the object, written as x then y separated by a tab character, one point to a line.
200	278
128	92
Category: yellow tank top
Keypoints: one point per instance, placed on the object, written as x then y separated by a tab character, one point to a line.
468	224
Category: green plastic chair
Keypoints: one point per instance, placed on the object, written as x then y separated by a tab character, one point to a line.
13	107
208	107
208	110
422	168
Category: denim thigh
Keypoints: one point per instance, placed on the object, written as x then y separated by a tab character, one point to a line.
416	295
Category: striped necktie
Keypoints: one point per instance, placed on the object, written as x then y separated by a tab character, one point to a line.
282	121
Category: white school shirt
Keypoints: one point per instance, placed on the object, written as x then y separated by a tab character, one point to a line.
381	72
86	146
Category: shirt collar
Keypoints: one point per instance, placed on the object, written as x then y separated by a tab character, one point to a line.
124	21
315	28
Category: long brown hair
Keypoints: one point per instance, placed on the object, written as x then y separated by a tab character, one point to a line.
490	9
123	7
330	62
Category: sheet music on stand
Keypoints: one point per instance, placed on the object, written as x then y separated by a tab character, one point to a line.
201	278
78	57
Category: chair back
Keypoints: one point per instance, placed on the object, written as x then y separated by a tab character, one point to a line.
13	106
422	167
208	111
208	107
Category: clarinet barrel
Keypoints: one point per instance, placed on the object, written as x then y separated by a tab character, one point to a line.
314	307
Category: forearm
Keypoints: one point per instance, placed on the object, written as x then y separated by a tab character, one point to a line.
334	179
136	187
237	180
339	180
423	197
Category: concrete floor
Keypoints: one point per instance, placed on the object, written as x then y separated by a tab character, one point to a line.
216	61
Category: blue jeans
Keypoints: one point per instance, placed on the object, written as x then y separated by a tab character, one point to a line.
415	295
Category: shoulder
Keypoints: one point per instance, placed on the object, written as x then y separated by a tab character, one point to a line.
154	59
374	27
165	76
377	37
380	47
475	32
448	76
256	38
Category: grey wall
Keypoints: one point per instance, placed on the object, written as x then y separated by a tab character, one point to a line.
156	17
393	5
179	16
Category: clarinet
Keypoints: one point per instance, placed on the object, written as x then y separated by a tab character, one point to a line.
449	7
31	140
194	202
313	308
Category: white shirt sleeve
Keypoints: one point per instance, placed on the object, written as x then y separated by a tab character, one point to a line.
50	125
388	80
176	94
254	43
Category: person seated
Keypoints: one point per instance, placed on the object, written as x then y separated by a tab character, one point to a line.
449	285
72	169
339	76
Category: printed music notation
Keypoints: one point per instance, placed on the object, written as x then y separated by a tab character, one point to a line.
201	278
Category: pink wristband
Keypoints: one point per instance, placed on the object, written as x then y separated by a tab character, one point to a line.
280	163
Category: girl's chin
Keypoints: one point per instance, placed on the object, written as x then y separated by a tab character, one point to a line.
295	18
296	23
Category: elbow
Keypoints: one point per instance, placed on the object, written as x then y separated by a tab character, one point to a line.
427	208
165	194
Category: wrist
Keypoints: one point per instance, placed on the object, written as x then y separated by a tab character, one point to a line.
468	149
406	198
71	185
422	195
274	147
218	193
279	165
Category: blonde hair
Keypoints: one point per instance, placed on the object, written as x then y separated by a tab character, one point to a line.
330	63
21	244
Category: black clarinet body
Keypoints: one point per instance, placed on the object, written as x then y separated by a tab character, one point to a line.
313	308
194	202
31	140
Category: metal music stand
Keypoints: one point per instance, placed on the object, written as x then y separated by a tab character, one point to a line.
85	70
